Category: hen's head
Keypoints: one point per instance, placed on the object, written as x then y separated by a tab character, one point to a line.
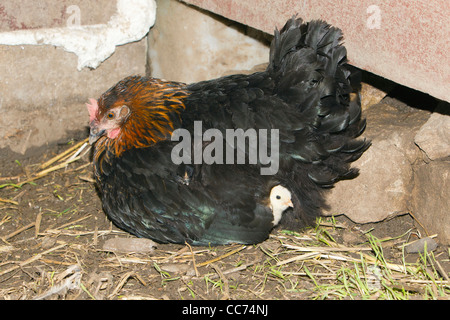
137	112
108	124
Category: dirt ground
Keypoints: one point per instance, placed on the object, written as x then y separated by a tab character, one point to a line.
53	232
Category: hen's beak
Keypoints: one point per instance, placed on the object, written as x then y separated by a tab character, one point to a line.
289	203
95	133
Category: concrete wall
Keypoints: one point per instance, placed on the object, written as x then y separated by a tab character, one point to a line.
44	87
404	41
188	44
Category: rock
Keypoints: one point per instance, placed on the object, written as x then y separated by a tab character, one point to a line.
48	242
434	136
176	267
430	198
394	178
370	95
374	89
420	245
138	245
385	182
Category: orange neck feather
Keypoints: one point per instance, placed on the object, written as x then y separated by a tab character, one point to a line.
155	113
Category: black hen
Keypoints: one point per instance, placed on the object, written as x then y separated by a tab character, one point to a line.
303	98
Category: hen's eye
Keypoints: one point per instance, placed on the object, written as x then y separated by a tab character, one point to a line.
278	197
110	116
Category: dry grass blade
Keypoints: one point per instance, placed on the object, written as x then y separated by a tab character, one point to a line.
5	249
37	226
63	154
236	269
327	249
298	258
193	259
9	201
67	224
45	172
70	155
32	259
388	265
124	279
441	270
226	294
221	257
28	226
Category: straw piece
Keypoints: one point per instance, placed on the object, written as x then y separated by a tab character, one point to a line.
61	155
31	260
226	289
124	279
221	257
12	234
299	257
9	201
193	259
326	249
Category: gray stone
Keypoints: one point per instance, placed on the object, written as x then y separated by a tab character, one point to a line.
430	203
434	136
138	245
426	244
384	185
370	95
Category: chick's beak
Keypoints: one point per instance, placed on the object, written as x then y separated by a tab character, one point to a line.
95	133
289	203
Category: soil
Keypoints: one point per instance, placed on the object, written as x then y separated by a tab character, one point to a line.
53	230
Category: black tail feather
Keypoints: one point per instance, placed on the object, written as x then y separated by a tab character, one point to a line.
308	63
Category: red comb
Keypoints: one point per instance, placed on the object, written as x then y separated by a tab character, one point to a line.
92	108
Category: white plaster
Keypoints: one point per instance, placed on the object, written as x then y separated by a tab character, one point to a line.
93	43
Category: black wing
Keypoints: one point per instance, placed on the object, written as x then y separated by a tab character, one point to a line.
146	194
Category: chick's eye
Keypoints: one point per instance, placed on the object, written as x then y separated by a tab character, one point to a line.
278	197
110	116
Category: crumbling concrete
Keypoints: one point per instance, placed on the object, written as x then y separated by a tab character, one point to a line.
43	84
